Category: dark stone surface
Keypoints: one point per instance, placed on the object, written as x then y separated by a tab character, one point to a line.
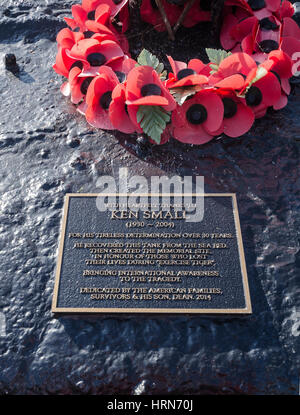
48	150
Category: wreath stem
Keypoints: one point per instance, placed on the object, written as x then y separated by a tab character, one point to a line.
165	19
183	14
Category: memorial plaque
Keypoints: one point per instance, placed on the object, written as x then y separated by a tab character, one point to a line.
148	261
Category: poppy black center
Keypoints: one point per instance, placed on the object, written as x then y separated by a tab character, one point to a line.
154	5
121	76
267	24
230	107
176	2
77	64
117	1
205	5
257	4
196	114
254	96
96	59
268	45
105	100
91	15
150	89
185	72
85	84
88	34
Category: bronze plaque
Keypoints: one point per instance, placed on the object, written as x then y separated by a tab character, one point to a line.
124	261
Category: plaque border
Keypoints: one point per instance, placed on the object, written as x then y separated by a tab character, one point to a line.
99	310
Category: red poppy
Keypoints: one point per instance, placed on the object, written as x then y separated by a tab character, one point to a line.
132	113
248	43
93	54
290	43
65	41
79	18
238	117
272	5
243	28
193	73
290	28
91	9
108	87
199	12
118	112
236	64
252	25
229	22
262	6
266	38
103	52
66	38
99	97
109	10
85	52
78	84
234	82
264	93
256	30
122	67
241	7
280	64
89	5
236	27
115	6
150	14
232	72
63	62
101	15
195	120
286	9
144	87
101	31
102	12
82	107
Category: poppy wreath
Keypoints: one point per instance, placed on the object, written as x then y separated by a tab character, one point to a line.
195	101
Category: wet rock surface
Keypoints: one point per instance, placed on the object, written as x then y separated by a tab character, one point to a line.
48	150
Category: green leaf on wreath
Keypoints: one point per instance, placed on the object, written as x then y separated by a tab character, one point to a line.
146	58
216	56
153	120
180	94
260	73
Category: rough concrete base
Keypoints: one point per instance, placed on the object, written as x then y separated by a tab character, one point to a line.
47	150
